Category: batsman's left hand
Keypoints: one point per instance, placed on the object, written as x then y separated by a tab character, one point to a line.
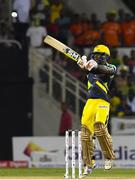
91	64
81	62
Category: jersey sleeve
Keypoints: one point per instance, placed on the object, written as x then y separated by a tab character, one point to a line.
108	69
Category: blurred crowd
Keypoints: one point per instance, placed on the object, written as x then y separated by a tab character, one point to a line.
123	86
31	20
58	20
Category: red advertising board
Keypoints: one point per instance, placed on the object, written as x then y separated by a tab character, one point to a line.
13	164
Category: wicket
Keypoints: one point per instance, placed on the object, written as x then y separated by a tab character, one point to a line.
79	150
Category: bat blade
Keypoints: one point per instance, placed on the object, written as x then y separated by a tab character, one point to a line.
62	48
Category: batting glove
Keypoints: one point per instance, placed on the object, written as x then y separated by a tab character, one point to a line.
91	64
82	62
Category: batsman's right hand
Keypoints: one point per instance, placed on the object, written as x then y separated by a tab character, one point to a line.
82	62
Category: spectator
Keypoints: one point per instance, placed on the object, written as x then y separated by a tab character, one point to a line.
132	22
111	31
63	23
123	65
131	100
52	28
125	60
66	119
131	62
115	102
46	2
123	108
40	14
55	10
76	27
80	30
94	21
85	23
40	11
131	84
114	58
122	80
121	15
89	37
128	32
35	34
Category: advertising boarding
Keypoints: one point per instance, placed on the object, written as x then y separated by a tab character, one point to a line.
50	151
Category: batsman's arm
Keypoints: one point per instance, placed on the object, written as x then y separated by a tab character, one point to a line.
108	69
95	68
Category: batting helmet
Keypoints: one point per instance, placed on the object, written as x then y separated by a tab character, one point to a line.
100	53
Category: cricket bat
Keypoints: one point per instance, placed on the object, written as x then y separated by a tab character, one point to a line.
62	48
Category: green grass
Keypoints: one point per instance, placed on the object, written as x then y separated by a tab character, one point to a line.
59	172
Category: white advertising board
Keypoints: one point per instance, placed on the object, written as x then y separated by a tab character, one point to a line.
124	147
122	126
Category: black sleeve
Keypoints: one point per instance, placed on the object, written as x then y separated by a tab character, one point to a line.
108	69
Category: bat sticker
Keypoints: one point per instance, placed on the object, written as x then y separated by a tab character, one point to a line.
72	54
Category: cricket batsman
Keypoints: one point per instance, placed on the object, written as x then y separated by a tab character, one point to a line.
96	110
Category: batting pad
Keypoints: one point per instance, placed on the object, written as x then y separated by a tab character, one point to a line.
87	146
105	140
